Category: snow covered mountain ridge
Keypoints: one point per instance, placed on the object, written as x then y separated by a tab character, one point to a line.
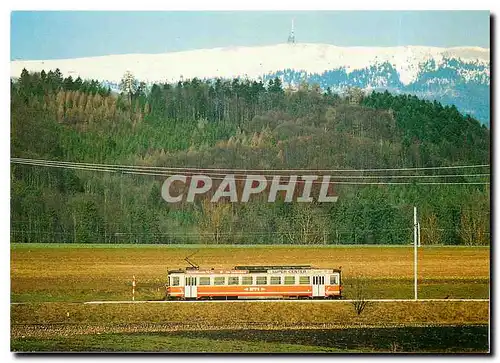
431	72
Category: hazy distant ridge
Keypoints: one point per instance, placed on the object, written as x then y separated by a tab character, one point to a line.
459	75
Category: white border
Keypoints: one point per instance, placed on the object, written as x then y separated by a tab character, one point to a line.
184	5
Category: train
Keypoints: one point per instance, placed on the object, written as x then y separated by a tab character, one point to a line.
254	282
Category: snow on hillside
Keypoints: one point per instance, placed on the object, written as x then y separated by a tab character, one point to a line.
252	62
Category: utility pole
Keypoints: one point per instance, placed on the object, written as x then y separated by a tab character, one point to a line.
418	227
415	250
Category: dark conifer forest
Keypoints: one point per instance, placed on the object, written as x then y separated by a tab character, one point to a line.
242	124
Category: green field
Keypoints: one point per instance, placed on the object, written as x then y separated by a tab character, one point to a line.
52	281
347	340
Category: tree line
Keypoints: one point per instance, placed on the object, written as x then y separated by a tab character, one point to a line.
238	124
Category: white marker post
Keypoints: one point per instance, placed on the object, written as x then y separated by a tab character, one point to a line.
133	288
415	242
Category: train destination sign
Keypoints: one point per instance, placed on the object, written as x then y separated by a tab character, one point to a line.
288	271
242	188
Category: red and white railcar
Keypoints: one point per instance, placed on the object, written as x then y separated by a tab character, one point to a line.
255	282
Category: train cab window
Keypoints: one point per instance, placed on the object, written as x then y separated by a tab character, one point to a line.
304	280
261	280
175	281
247	280
233	280
275	280
334	279
289	280
204	281
219	280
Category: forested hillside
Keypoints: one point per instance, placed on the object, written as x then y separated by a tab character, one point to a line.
247	125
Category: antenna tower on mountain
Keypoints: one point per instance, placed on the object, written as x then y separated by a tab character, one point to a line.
291	37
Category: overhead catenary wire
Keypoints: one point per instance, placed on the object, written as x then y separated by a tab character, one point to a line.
244	233
316	232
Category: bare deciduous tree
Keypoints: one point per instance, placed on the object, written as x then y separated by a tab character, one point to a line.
359	300
309	226
129	85
431	234
214	220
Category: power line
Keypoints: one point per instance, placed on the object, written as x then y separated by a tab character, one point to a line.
139	170
131	169
19	160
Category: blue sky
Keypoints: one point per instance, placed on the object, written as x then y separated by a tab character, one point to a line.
67	34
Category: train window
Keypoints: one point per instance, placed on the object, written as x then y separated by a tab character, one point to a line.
219	280
304	280
204	281
261	280
334	280
232	280
175	281
289	280
247	280
275	280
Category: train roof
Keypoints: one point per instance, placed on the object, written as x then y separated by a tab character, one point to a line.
255	268
266	268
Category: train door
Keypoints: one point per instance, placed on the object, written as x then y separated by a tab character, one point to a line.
318	285
191	288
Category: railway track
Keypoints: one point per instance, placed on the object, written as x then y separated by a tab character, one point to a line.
249	300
